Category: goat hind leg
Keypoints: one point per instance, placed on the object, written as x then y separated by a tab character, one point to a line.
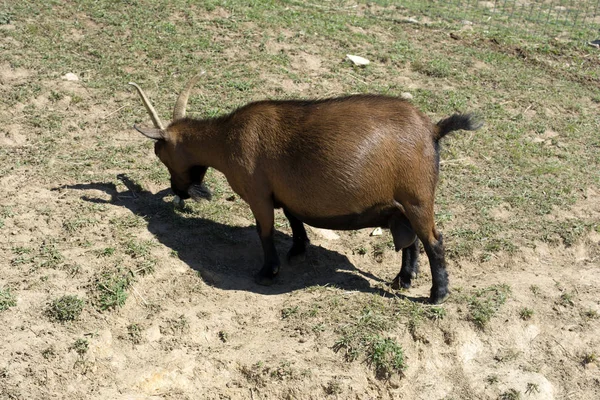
421	218
299	237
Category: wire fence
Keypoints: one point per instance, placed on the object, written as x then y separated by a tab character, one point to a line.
572	19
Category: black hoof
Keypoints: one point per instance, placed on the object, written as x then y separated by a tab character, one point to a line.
398	283
266	276
439	296
401	282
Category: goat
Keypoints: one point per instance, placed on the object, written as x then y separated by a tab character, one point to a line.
341	163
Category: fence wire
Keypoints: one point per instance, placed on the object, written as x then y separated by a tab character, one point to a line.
576	19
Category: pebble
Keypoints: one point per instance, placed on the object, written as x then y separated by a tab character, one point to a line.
358	60
70	77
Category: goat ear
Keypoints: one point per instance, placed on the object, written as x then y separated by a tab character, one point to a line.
152	133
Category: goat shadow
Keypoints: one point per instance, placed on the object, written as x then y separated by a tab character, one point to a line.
227	257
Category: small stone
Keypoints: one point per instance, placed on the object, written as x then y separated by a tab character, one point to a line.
377	232
70	77
406	96
411	20
591	366
358	60
153	333
326	233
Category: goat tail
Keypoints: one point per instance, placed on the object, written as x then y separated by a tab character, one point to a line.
467	122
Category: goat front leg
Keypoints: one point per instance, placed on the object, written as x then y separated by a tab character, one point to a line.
264	214
299	237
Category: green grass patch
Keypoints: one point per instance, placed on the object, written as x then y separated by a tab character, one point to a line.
81	346
526	313
485	303
7	299
65	308
110	288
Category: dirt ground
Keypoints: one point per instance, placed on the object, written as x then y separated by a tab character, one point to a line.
198	326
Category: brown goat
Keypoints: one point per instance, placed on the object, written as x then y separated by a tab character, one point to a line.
342	163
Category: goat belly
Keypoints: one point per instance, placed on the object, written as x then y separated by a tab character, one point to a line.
377	216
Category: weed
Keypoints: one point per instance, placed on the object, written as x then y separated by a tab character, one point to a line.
128	222
589	358
174	326
535	289
145	267
385	355
254	373
138	249
492	379
6	212
569	231
435	68
507	355
106	252
51	257
23	256
510	394
378	252
566	299
111	287
223	336
334	387
288	312
362	250
5	17
532	388
7	299
78	223
416	313
49	352
484	304
81	346
282	372
134	333
65	308
525	313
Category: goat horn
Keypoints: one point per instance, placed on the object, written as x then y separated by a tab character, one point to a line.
180	106
155	119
